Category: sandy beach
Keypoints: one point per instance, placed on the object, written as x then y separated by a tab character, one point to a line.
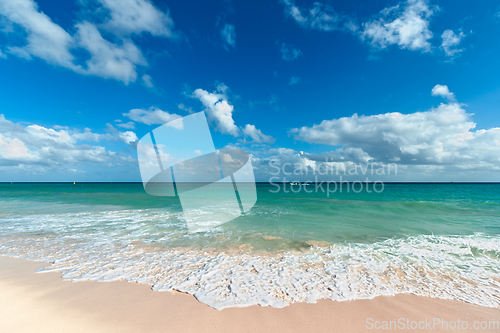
43	302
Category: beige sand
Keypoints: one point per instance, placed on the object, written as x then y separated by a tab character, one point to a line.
43	302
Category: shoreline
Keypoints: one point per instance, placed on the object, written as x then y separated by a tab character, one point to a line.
44	302
238	279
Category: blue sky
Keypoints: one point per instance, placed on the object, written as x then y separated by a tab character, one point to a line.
412	82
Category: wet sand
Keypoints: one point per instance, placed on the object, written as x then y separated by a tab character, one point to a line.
43	302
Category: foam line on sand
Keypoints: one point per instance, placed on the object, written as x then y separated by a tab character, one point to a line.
43	302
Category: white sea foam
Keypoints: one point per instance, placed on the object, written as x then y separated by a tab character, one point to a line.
465	268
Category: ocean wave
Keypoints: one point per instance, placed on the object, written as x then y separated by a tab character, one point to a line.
465	268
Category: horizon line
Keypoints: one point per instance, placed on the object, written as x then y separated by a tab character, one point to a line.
307	182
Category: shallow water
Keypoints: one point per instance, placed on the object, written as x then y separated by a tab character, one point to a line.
438	240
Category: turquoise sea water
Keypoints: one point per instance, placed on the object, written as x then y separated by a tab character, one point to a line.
438	240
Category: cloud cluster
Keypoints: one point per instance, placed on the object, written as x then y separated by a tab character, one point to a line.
302	166
228	35
44	38
218	109
127	17
450	41
405	25
108	60
256	135
220	112
151	116
441	136
289	52
34	144
128	125
319	17
115	57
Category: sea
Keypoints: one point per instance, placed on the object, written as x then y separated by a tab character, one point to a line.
431	239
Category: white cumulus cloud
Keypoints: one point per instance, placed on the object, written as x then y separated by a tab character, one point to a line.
443	91
38	145
45	39
128	137
256	135
115	56
13	148
151	116
405	25
441	136
450	41
218	109
109	60
220	112
128	17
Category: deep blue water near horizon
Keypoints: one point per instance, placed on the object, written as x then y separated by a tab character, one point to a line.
447	230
